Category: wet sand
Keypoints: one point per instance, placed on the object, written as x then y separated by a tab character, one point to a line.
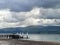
26	42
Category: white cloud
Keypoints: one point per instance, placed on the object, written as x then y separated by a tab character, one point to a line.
37	16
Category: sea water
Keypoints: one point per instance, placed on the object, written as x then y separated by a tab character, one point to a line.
44	37
36	37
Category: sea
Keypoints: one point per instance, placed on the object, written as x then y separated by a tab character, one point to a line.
44	37
36	37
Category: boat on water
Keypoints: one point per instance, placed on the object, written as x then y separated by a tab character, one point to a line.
13	36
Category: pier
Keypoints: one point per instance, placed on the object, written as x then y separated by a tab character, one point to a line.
13	36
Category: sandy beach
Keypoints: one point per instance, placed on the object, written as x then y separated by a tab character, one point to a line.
26	42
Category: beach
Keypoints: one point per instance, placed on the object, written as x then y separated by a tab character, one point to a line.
25	42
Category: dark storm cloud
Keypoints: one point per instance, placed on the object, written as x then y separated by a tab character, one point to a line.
50	3
27	5
18	5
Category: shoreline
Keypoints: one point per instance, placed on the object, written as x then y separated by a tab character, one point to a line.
28	42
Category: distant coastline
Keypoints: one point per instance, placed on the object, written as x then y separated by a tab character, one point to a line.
33	30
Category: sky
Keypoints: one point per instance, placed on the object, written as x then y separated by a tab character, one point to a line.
22	13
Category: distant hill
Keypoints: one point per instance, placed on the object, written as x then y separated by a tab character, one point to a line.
33	30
